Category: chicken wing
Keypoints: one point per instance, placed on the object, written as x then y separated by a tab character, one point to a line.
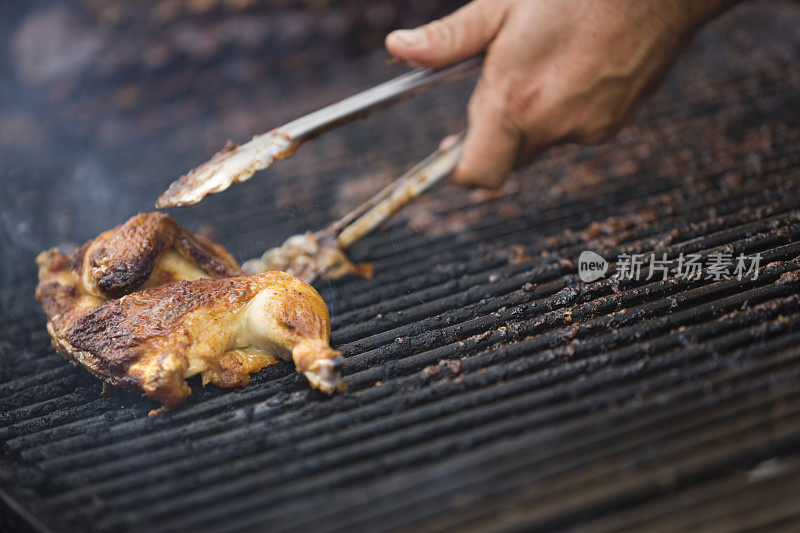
146	251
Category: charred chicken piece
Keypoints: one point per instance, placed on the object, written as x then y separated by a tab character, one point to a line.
152	339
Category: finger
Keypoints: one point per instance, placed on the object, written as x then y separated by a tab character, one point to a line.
491	145
458	36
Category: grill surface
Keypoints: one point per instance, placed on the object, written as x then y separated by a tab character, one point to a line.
489	387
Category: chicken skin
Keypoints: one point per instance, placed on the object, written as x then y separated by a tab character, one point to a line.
146	251
170	329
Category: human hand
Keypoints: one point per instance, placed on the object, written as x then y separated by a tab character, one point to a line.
555	70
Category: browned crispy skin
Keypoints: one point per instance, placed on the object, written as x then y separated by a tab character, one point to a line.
126	258
152	339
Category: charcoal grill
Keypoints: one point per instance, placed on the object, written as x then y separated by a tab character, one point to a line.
490	388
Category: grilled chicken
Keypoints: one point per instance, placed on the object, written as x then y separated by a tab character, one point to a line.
179	322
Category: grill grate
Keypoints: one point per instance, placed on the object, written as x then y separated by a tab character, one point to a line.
490	387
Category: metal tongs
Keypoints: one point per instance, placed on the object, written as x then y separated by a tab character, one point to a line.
235	164
322	254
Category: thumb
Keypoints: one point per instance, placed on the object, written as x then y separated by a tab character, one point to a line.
456	37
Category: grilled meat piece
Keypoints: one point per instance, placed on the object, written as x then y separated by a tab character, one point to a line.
152	339
309	256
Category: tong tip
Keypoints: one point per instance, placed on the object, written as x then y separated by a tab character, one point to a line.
232	164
